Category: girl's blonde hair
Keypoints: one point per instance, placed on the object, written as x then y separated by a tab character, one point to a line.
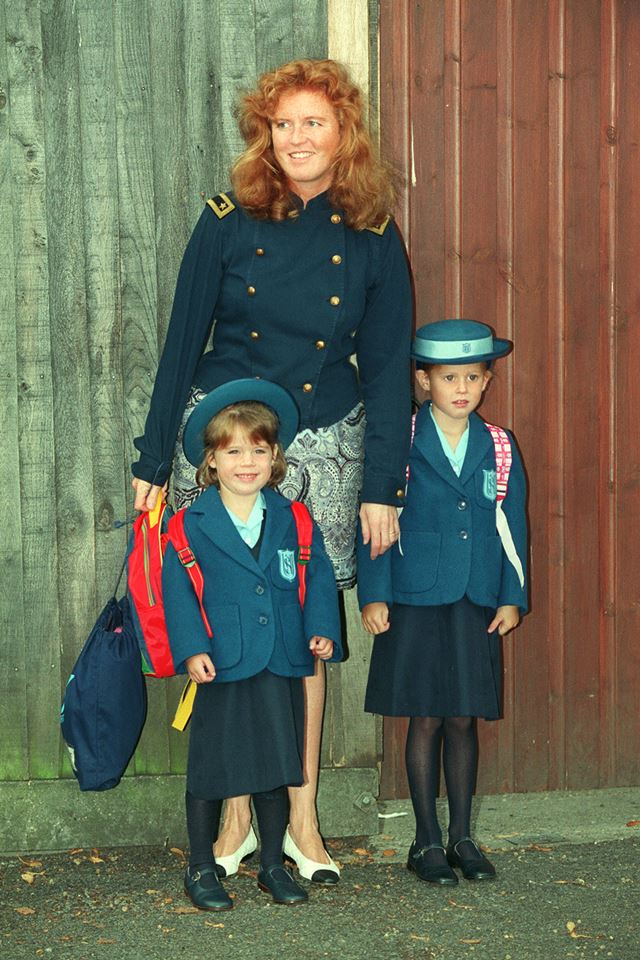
255	419
362	184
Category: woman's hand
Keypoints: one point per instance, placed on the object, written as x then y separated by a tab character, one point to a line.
375	617
379	523
506	619
147	494
321	647
200	668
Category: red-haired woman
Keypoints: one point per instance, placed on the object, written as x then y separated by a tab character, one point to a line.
297	270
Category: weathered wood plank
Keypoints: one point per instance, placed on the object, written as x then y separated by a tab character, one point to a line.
100	229
14	756
68	325
35	408
139	293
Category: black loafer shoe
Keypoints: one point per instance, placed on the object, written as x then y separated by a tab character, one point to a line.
467	855
436	872
204	889
280	884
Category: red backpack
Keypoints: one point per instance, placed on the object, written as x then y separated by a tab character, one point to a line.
147	545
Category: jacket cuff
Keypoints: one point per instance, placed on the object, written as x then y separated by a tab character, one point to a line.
150	470
379	488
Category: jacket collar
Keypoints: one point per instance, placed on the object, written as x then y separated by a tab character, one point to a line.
209	515
428	443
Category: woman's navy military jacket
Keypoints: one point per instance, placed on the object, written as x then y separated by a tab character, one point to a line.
292	301
448	545
252	605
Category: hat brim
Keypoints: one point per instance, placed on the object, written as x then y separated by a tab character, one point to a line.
500	349
262	391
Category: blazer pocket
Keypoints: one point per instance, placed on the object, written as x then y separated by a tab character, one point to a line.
292	632
485	482
415	561
226	645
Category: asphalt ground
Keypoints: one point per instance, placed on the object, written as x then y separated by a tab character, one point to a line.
570	894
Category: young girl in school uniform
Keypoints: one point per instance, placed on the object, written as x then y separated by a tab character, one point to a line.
248	716
442	597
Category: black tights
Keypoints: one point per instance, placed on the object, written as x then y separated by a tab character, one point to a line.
457	738
203	820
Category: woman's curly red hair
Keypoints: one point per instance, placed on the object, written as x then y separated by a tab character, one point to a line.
362	184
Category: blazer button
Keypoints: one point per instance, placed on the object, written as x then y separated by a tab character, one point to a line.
336	218
336	258
320	344
464	534
259	252
251	291
259	589
254	335
400	494
263	620
334	301
462	504
307	387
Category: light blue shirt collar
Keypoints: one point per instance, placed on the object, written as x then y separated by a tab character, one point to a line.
455	457
250	530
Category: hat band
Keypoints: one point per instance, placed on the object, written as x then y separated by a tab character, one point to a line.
441	349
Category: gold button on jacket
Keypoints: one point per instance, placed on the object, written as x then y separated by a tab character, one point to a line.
336	258
336	218
307	387
334	301
260	252
320	344
251	291
254	335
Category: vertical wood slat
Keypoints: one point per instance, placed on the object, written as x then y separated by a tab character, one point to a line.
35	398
13	693
563	218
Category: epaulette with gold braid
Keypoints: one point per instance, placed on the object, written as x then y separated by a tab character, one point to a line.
380	229
221	205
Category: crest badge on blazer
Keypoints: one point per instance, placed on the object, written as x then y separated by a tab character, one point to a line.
489	487
287	560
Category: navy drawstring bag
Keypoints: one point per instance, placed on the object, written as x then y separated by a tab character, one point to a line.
105	701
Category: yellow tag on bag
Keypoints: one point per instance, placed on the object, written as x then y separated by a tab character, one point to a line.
185	706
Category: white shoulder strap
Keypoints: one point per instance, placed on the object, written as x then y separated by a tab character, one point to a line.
504	459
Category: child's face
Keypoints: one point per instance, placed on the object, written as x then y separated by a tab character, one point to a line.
244	467
456	389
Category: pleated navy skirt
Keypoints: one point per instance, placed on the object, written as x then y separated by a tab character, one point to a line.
437	662
246	736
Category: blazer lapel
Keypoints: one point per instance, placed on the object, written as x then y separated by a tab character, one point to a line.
428	443
479	443
215	523
278	519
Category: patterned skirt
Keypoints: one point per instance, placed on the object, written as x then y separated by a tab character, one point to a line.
325	468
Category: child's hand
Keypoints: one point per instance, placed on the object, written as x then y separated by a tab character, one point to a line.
200	668
321	647
375	617
506	619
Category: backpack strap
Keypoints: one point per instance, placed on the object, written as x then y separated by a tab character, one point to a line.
186	556
504	459
304	527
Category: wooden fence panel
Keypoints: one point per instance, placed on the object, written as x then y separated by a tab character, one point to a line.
533	172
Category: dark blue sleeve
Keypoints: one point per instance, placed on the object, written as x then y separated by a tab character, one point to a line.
375	583
185	627
382	350
321	612
189	329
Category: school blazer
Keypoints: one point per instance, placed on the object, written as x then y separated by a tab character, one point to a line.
252	605
448	545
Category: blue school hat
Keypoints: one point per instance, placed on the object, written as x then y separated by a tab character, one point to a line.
261	391
457	341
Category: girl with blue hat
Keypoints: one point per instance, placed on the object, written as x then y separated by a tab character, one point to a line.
440	600
248	716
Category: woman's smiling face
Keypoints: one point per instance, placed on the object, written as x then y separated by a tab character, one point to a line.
306	135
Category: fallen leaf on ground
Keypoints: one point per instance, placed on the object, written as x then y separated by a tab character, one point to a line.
29	876
186	910
571	928
177	852
104	940
95	856
540	848
362	852
209	923
75	851
470	940
25	911
415	936
388	853
30	863
463	906
633	823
